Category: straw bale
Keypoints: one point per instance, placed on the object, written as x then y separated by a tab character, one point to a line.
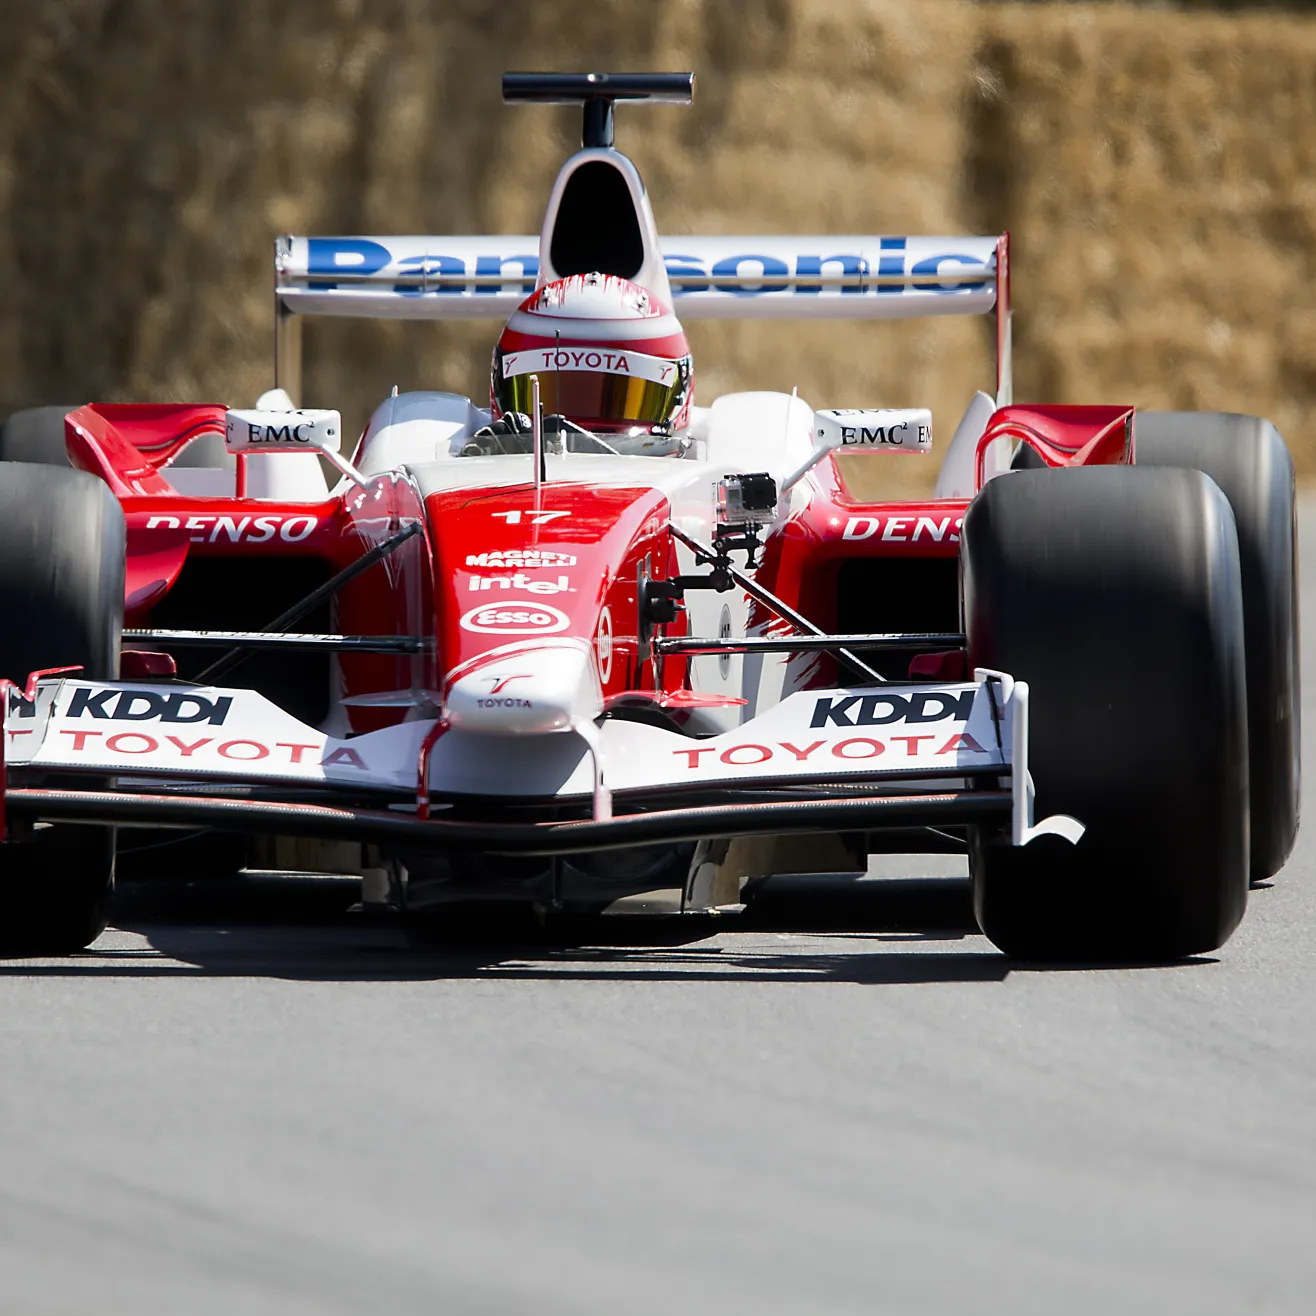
1156	169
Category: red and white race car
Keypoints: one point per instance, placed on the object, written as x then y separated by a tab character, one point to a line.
598	641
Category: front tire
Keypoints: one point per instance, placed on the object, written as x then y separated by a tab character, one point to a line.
1115	593
61	599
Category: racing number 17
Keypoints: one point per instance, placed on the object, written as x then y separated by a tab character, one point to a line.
535	518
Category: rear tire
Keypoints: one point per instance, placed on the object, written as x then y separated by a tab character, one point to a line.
61	595
1115	593
36	435
1246	457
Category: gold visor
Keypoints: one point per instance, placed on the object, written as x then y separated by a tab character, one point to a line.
586	395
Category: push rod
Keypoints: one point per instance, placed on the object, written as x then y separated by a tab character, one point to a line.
283	640
805	643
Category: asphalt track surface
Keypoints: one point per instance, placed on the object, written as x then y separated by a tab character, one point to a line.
245	1101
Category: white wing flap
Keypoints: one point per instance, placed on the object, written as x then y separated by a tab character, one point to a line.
732	278
184	732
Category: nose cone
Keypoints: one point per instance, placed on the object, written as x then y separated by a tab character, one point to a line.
525	689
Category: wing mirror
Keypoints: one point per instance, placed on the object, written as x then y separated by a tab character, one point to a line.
874	429
318	432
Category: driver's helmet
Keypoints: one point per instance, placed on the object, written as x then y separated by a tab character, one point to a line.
609	356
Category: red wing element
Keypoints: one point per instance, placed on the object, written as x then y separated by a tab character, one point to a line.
154	559
161	430
1065	436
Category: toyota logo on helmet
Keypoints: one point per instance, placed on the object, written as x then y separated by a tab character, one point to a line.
608	354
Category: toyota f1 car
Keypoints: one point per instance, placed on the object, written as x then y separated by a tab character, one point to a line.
597	641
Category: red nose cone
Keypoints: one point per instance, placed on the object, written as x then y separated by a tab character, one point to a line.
511	572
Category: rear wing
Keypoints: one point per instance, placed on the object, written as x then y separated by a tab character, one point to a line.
711	278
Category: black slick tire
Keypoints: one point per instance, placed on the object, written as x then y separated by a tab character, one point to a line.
61	598
1247	458
1115	593
36	435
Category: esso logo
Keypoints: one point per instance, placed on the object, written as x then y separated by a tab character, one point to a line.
530	619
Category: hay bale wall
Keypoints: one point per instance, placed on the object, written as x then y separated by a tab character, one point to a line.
1155	168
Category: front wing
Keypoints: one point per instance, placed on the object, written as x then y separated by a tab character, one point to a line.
863	759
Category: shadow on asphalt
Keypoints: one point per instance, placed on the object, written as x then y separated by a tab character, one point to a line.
304	929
